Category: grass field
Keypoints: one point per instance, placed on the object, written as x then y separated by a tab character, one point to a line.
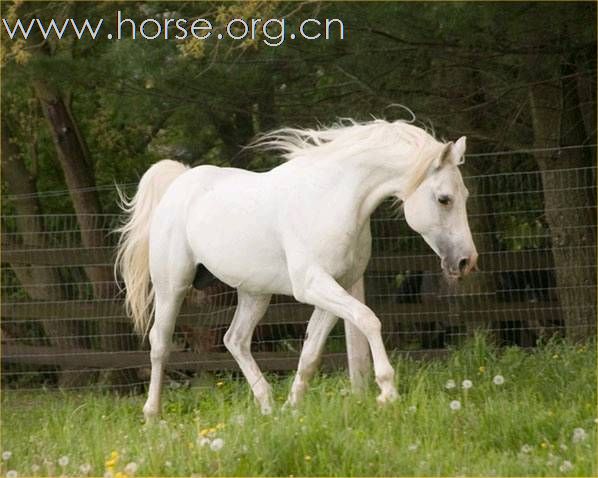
540	421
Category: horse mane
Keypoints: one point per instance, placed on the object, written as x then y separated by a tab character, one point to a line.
349	136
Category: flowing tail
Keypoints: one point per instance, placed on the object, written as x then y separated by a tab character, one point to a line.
132	257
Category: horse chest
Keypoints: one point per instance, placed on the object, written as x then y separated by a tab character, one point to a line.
345	257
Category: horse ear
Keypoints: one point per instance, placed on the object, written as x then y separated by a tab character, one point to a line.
445	155
459	149
452	153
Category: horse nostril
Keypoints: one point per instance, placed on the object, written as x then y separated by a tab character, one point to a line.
463	263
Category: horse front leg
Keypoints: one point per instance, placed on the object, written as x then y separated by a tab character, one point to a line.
318	288
250	310
320	324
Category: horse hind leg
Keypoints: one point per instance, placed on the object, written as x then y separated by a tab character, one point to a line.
319	327
171	283
250	310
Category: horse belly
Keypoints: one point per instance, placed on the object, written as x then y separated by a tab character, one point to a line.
236	241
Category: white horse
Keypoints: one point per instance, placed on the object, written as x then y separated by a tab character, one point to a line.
300	229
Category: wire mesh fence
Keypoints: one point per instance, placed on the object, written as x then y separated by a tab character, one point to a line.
59	328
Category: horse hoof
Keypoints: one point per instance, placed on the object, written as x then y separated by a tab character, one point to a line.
385	398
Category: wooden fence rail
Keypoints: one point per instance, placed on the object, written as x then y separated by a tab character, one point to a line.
455	310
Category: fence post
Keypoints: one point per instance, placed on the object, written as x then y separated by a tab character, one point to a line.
358	349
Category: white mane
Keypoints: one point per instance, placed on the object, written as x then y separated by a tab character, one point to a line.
349	136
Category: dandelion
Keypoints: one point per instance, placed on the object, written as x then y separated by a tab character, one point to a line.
455	405
482	369
579	435
63	461
543	445
412	447
12	474
6	455
34	468
343	392
563	447
217	444
467	384
203	441
412	409
450	384
108	474
85	469
219	384
174	385
566	466
167	463
498	380
307	458
131	468
526	448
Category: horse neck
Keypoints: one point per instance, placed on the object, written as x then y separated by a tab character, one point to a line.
371	179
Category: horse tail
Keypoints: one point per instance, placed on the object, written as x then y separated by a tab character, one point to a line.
132	256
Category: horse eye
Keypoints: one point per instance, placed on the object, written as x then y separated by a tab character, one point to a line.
444	200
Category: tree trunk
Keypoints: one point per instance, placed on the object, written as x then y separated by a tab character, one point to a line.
40	282
79	176
557	121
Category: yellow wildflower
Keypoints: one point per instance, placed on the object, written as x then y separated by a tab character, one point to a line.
482	369
307	458
220	426
544	445
204	432
219	384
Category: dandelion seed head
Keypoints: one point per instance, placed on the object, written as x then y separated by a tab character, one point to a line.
12	474
566	466
450	384
168	463
466	384
6	455
203	441
217	444
455	405
63	461
131	468
85	468
579	435
526	448
108	474
498	380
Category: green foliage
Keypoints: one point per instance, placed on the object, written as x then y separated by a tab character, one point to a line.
523	427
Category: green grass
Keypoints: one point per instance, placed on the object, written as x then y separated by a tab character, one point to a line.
546	395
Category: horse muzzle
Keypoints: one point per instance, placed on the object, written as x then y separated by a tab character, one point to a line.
459	267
